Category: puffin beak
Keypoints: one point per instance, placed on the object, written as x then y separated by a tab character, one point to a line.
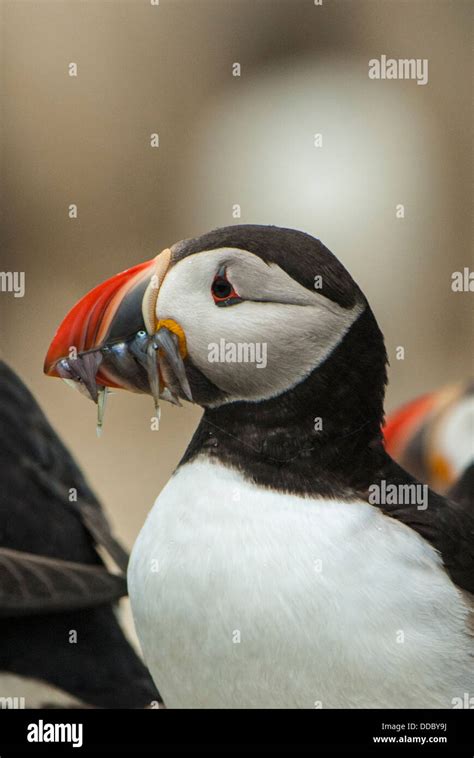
111	338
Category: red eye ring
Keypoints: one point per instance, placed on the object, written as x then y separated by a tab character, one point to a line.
222	291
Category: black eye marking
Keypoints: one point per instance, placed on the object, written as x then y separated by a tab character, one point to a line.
222	290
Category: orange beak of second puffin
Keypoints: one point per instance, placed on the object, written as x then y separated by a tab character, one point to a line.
111	338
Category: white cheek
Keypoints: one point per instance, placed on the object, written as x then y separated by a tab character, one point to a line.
276	344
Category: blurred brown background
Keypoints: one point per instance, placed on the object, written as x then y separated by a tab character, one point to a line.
228	140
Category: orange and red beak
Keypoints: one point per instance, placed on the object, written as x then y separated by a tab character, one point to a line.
111	337
414	435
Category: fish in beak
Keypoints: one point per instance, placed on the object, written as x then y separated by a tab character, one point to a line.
111	338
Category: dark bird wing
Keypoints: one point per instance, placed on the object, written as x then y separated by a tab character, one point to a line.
52	579
447	524
462	490
87	507
35	468
34	584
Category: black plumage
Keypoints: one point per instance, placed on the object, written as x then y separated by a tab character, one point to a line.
52	580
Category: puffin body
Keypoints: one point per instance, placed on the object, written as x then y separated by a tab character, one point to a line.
274	570
275	600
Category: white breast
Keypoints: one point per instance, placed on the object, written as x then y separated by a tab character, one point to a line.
243	597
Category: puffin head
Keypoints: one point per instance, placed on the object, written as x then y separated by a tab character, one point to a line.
242	314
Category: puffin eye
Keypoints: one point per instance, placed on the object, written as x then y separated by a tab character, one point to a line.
222	290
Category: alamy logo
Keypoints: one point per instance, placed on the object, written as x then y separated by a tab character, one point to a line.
466	701
399	494
13	281
238	352
399	68
12	702
462	281
46	732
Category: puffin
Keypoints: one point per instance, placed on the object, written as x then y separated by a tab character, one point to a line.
289	562
62	645
432	437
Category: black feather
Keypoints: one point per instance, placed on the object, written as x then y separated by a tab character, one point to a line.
52	580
